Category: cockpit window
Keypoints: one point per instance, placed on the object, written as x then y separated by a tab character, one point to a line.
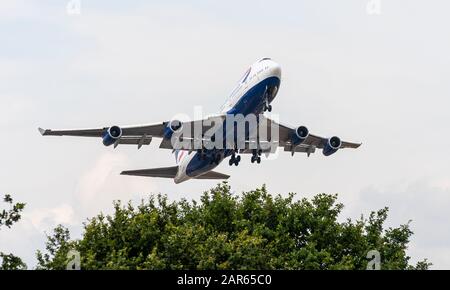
244	78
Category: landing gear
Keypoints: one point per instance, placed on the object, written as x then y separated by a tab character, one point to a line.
256	156
238	159
256	159
234	160
267	106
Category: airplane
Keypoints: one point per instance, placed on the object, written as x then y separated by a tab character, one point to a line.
253	94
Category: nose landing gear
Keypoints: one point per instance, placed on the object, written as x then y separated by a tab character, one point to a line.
267	106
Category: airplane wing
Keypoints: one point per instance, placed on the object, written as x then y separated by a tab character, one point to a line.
136	135
140	134
155	130
309	145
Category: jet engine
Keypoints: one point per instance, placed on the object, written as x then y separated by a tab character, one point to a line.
112	135
333	145
171	128
299	135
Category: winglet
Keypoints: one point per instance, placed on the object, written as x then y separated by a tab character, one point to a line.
42	131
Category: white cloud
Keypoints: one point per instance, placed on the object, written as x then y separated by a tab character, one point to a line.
102	183
45	219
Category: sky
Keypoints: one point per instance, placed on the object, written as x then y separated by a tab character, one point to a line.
370	71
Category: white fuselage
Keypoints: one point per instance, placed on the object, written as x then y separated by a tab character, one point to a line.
244	99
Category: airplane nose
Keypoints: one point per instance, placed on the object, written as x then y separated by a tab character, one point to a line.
276	70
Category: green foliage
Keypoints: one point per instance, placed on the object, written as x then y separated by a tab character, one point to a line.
226	231
11	262
57	247
7	218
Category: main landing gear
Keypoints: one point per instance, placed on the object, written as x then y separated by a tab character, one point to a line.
234	160
256	156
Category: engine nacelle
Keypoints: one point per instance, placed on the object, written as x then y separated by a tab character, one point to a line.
300	134
112	135
333	145
172	127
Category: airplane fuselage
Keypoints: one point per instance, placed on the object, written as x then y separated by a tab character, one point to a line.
253	94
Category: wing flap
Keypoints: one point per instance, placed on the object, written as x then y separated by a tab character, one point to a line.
302	149
135	140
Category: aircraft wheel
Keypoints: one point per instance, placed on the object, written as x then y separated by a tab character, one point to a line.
258	160
253	159
231	162
238	158
269	108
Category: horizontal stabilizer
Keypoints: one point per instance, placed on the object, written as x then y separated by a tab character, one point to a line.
213	175
171	172
165	172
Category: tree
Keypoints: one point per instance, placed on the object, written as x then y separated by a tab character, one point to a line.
57	248
7	218
226	231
